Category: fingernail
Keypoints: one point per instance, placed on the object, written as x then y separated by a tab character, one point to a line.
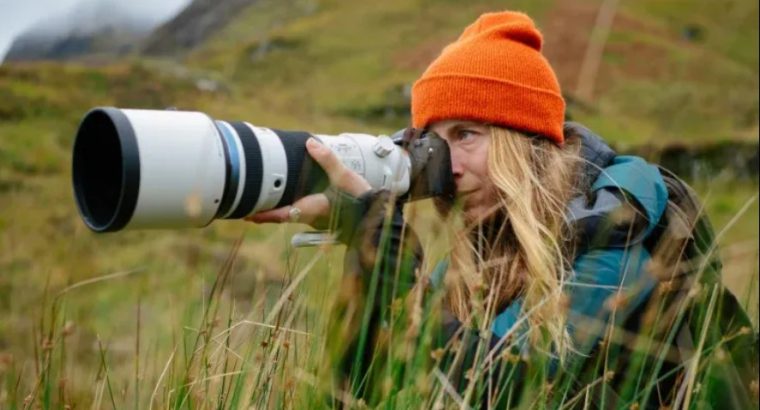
313	143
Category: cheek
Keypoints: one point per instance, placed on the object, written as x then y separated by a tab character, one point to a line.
479	170
488	189
479	161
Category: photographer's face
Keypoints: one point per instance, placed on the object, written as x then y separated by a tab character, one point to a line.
469	142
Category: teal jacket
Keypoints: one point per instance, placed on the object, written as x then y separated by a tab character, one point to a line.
604	270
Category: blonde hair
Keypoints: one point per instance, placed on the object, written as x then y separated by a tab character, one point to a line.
524	249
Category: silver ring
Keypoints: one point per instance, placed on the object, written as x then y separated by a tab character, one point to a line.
294	214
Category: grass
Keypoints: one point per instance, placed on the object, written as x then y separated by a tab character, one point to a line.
648	49
229	316
202	344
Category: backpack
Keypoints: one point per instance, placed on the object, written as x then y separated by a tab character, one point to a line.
685	335
716	341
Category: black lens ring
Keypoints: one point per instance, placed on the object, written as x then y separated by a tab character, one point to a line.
130	172
294	143
254	170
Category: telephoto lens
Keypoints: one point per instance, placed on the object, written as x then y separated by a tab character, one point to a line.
136	169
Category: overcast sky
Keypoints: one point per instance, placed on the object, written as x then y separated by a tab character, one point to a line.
18	15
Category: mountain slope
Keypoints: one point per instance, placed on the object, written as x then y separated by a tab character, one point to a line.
105	28
110	41
192	26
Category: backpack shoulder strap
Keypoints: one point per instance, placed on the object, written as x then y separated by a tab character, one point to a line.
683	240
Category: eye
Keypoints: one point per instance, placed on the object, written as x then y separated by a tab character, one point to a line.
465	134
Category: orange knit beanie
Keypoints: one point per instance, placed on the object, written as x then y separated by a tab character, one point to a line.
494	73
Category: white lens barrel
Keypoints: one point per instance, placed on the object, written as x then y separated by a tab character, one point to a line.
381	162
182	168
147	169
172	169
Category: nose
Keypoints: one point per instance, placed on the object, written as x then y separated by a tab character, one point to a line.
456	164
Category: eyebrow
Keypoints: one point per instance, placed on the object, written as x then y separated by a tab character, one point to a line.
459	126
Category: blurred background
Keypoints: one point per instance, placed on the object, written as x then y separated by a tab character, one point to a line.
675	81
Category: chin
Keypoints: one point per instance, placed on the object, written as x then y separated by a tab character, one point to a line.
473	216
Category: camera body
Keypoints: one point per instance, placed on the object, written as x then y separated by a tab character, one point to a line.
135	169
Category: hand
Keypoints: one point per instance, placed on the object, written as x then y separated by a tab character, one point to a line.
317	206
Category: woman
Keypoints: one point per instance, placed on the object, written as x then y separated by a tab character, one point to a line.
564	246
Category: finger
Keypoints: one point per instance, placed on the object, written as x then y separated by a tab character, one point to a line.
340	176
325	157
277	215
312	207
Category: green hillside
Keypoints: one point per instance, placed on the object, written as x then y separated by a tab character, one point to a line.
354	61
673	73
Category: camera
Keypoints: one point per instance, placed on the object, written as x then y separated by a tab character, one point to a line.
134	168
